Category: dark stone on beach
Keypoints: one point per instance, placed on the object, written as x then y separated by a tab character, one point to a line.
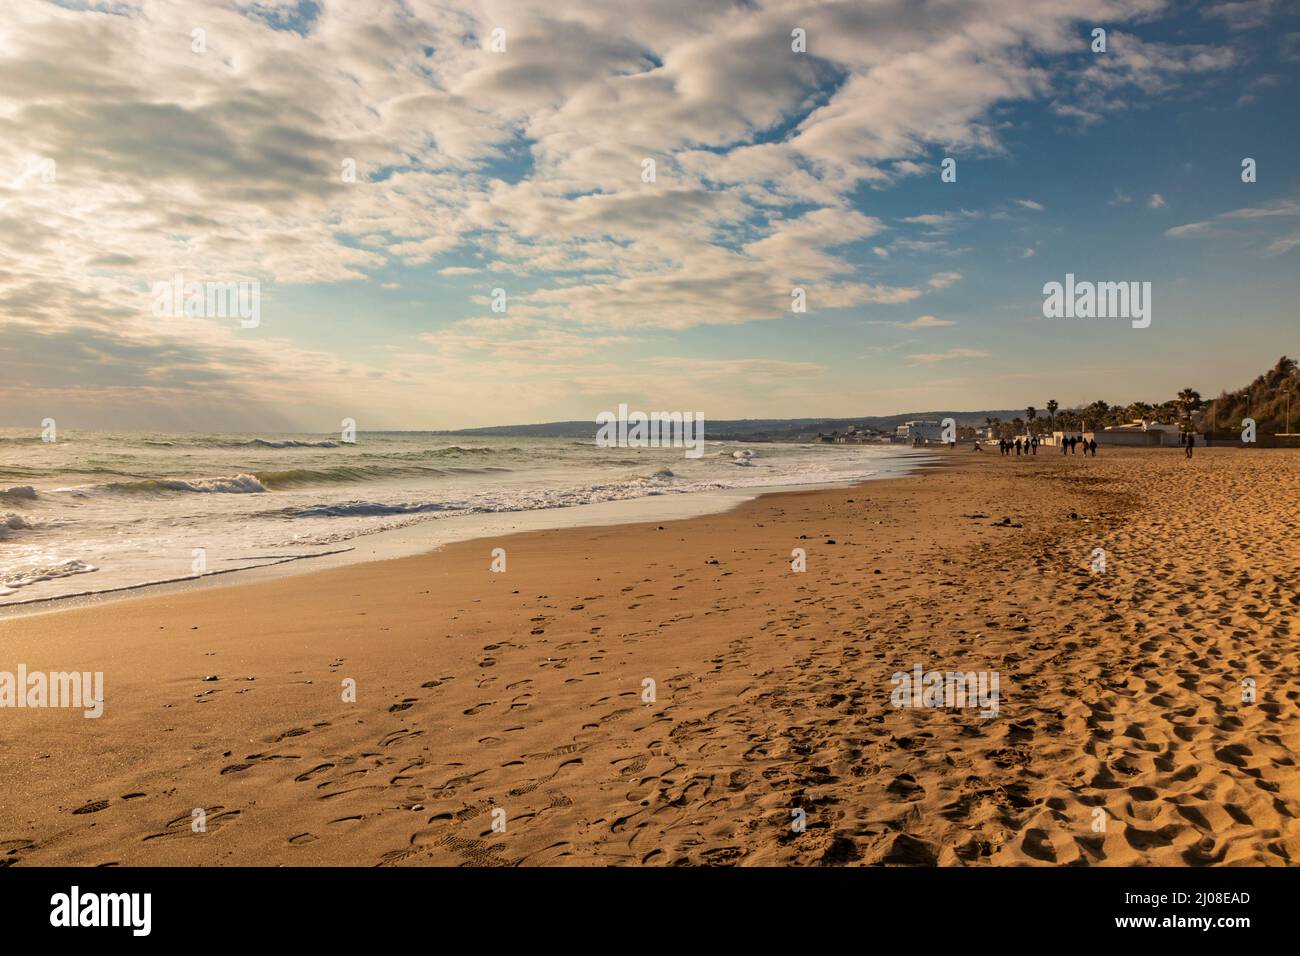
711	561
909	851
212	677
830	540
877	571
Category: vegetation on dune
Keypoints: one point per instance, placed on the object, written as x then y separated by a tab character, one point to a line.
1265	400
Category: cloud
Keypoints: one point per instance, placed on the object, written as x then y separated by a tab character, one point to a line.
327	144
925	322
948	356
1242	14
1156	201
1248	223
1031	204
1283	244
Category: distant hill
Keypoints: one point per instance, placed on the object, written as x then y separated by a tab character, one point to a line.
1265	399
746	429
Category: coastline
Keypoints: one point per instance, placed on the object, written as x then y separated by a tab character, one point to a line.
524	690
425	537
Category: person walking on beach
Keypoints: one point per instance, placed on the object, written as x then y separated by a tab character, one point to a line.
1034	442
1017	447
1191	440
1092	445
1065	444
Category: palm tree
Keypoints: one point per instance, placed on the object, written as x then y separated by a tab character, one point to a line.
1052	406
1031	413
1138	411
1189	400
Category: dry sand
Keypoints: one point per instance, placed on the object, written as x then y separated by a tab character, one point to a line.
523	691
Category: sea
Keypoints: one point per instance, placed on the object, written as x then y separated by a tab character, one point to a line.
97	512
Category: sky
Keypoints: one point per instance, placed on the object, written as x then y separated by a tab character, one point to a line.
376	169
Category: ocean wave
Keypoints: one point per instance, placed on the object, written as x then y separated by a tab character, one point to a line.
9	523
297	477
368	509
13	580
216	442
233	485
287	443
450	451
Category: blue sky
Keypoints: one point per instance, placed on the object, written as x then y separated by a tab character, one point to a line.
219	157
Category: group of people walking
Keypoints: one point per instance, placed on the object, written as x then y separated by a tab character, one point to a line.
1029	446
1089	445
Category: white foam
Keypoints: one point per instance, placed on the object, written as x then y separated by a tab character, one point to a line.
26	577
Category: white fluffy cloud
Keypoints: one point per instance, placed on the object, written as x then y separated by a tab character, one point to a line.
230	163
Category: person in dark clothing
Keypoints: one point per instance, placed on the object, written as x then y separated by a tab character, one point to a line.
1065	445
1191	441
1034	442
1073	441
1017	447
1092	446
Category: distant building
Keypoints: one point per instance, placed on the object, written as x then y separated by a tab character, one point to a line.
919	430
1138	433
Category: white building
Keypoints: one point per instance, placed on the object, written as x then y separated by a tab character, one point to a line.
1138	433
923	430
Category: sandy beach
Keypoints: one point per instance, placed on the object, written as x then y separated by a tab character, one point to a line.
1122	736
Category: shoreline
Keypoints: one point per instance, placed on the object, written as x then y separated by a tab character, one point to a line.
526	691
429	536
